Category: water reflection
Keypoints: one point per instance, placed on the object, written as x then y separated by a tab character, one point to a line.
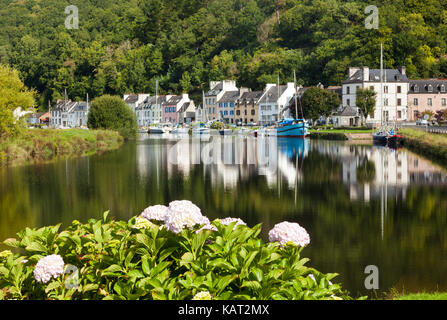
362	205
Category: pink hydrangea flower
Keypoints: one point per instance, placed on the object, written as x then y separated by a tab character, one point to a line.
49	267
157	212
285	232
183	214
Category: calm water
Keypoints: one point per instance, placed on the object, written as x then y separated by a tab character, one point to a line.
361	205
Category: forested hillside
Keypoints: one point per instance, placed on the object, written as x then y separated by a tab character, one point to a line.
125	45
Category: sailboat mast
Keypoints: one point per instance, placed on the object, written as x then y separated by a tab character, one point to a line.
381	84
203	105
296	93
277	102
156	95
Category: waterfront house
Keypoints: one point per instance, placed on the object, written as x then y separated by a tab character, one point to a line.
217	90
426	95
394	92
38	118
246	109
200	114
273	102
226	105
346	117
69	114
172	106
134	100
187	113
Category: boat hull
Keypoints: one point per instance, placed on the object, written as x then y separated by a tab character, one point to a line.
395	141
298	130
156	131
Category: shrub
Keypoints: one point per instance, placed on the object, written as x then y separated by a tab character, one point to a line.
111	112
142	259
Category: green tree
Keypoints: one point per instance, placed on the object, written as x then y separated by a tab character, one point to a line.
318	102
366	102
13	94
111	112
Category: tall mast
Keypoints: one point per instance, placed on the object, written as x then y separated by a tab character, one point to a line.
296	93
156	96
203	105
381	84
277	102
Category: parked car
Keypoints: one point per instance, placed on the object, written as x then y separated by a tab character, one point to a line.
421	122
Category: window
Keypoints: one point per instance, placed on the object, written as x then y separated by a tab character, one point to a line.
416	88
399	102
385	89
399	114
416	101
430	88
443	102
385	102
253	112
238	112
429	102
348	102
348	89
399	89
443	88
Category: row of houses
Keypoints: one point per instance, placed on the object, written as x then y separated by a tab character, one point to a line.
224	102
397	97
69	114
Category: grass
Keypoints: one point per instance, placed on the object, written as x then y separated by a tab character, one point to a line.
41	145
341	131
428	144
421	296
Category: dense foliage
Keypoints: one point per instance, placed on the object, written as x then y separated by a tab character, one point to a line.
142	260
110	112
13	94
318	102
125	45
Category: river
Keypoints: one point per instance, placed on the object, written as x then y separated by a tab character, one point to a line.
362	205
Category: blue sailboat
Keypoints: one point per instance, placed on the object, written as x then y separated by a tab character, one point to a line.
292	128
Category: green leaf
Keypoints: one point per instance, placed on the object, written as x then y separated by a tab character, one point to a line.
105	215
36	246
12	242
258	274
53	285
187	258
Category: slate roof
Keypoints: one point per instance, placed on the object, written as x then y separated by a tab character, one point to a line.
174	100
389	75
347	112
423	86
184	107
251	96
272	94
131	98
229	96
215	91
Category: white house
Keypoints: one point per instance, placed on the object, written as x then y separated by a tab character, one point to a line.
394	90
216	92
135	100
69	114
274	100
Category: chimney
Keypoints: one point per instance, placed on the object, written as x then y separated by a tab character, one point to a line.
403	70
365	71
352	71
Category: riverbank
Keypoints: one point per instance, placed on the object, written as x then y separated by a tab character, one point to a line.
427	144
341	134
42	145
421	296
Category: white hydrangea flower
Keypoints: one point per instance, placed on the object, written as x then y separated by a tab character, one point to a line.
142	223
285	232
203	295
49	267
209	226
157	212
228	221
183	214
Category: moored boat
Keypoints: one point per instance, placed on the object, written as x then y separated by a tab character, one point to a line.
292	128
380	137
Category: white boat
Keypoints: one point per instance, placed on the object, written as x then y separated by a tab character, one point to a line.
156	130
180	130
201	131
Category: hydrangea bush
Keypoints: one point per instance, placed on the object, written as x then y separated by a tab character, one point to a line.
178	254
